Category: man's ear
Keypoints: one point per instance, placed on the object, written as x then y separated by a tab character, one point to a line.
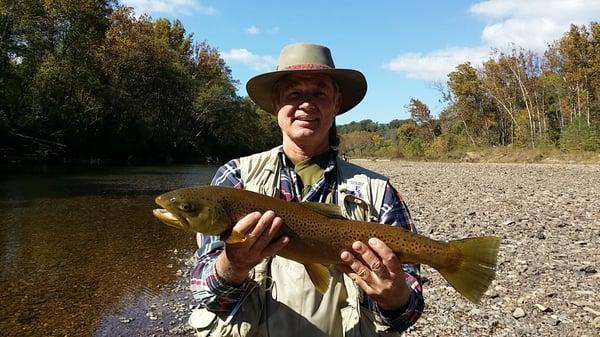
338	102
275	104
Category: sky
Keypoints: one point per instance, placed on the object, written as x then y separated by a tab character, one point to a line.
404	48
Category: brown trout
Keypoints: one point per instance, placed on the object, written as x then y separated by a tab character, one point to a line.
319	233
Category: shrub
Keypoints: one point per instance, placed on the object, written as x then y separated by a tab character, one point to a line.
578	135
437	148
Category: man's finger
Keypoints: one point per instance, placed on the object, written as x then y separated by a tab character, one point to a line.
358	271
387	256
275	247
370	258
273	224
245	224
263	222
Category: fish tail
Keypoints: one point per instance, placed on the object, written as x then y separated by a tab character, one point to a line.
476	268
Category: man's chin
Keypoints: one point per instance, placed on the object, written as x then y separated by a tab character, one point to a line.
304	133
308	137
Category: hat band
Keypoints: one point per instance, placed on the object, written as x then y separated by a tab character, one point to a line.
306	66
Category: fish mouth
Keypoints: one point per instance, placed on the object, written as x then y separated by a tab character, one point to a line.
167	217
164	215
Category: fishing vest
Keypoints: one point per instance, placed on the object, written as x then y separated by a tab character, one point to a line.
284	301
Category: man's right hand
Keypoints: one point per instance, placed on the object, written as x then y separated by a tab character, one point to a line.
236	260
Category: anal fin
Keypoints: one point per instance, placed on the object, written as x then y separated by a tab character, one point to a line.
319	275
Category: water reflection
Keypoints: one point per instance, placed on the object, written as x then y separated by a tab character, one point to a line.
77	247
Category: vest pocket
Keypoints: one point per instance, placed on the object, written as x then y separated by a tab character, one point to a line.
357	209
203	321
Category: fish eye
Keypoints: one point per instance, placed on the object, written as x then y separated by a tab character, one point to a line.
186	207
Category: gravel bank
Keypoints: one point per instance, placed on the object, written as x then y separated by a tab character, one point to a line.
548	216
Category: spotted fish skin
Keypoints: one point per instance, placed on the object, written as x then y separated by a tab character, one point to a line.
468	264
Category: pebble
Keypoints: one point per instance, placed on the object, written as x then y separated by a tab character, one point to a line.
596	322
518	313
553	321
542	308
592	311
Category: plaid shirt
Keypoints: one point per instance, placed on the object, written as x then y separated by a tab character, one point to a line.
221	298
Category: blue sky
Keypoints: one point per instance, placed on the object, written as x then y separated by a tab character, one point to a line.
402	47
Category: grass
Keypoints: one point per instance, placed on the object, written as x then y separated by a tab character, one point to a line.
512	154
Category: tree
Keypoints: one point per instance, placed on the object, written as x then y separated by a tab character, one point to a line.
421	115
469	104
410	145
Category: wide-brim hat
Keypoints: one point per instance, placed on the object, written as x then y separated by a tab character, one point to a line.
307	58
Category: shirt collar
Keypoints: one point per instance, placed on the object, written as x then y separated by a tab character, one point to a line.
287	163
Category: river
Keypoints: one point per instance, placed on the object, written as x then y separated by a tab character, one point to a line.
81	253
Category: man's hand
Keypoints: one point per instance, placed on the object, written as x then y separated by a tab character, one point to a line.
236	260
378	272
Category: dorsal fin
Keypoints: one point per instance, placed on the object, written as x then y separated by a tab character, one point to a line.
329	210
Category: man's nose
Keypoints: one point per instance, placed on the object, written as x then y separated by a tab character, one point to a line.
306	106
307	102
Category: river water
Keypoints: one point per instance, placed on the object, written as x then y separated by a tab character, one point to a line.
80	250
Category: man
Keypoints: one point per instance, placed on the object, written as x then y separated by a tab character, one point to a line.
243	290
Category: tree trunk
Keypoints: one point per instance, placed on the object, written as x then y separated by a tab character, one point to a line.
467	132
527	104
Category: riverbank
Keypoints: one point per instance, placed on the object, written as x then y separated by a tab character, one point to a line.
506	155
549	222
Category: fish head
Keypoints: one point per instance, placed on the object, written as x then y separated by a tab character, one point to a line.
187	209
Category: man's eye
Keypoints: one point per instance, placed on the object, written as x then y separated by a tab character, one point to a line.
186	207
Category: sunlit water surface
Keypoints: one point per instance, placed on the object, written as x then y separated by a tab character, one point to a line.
78	249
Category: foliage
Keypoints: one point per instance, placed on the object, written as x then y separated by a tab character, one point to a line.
517	99
88	79
579	136
358	144
98	81
438	148
410	145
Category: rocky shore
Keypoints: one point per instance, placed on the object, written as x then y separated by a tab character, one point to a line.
548	216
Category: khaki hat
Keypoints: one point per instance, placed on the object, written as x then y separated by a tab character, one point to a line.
307	58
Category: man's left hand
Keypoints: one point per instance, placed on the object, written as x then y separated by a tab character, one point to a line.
378	272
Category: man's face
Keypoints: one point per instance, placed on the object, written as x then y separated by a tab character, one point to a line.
306	106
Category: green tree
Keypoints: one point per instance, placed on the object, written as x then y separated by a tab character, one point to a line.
410	145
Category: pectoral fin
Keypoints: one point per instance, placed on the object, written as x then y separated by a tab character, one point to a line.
235	237
319	275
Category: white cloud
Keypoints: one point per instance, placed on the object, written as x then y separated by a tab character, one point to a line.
556	10
253	30
437	64
530	24
256	62
170	7
533	34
